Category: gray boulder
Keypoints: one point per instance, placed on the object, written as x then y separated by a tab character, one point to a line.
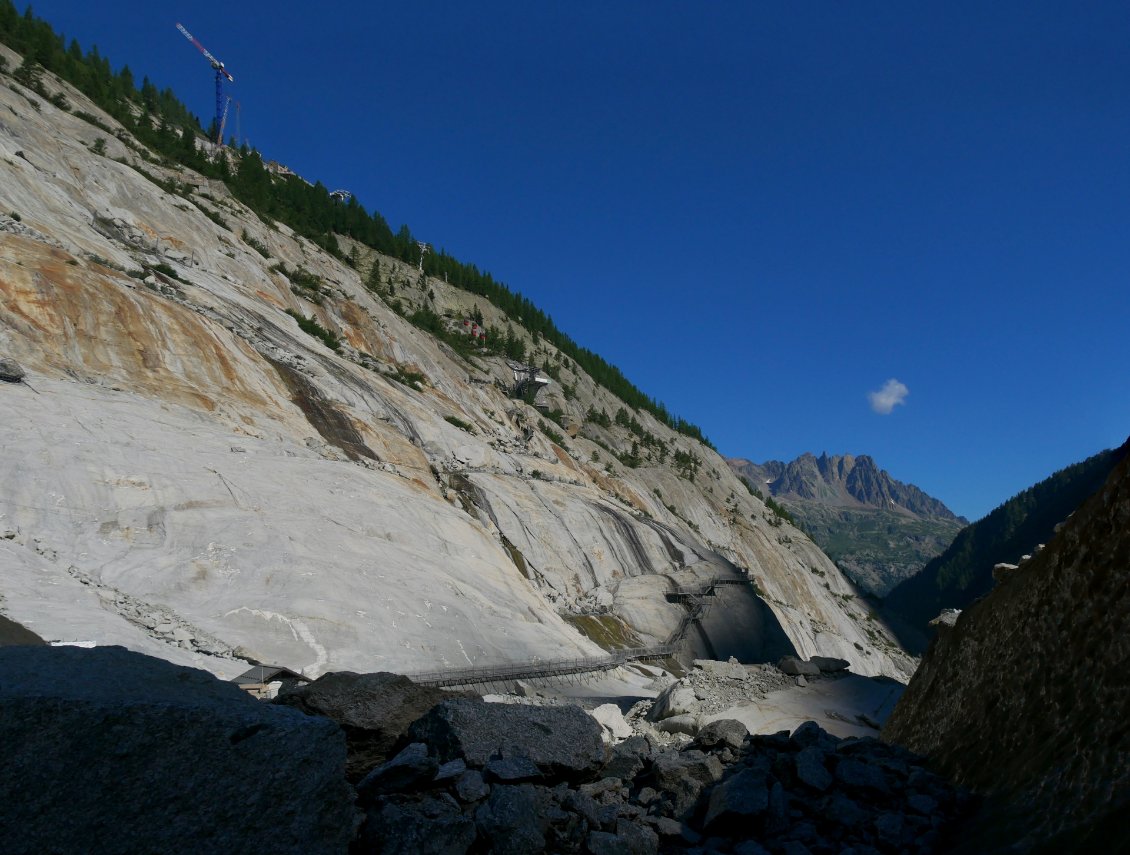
862	777
411	769
626	759
511	770
809	733
684	775
612	721
795	667
511	820
810	768
106	750
374	710
606	843
686	724
738	799
471	787
432	825
676	699
830	664
722	733
11	371
563	742
641	839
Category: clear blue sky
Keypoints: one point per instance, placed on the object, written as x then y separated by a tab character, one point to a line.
760	211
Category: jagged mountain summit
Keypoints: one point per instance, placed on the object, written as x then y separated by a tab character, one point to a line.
877	529
842	481
235	444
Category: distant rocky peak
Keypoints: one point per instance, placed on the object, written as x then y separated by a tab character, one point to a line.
843	480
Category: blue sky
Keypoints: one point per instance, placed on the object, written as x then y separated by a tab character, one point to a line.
761	212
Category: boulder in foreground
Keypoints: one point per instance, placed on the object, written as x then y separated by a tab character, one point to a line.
564	742
373	709
106	750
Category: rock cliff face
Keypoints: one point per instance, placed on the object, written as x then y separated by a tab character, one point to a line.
189	474
109	751
878	530
1025	698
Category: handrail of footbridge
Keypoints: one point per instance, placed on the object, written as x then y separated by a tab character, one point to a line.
564	667
705	590
536	669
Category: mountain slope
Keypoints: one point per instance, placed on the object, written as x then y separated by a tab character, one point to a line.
963	573
1024	699
192	472
877	530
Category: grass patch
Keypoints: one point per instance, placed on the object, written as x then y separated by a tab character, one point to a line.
609	631
256	245
411	379
310	326
551	433
166	270
459	423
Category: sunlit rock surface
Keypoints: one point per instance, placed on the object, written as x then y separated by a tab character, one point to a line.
188	474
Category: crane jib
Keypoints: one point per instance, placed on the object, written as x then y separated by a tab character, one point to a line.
216	64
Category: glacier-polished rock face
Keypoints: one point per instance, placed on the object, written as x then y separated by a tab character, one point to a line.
188	474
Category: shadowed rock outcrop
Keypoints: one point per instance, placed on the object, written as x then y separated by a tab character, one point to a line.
560	741
374	710
726	792
1024	699
105	750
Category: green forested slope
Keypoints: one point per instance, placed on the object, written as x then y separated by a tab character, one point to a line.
161	121
963	573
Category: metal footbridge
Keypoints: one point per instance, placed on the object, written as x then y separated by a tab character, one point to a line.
537	669
694	599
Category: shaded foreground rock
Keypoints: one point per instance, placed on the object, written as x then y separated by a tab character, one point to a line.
1048	745
563	742
727	792
374	710
105	750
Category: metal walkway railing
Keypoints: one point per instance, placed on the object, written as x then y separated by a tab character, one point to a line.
536	669
692	598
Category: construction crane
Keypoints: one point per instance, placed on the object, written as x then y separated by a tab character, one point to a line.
221	73
223	121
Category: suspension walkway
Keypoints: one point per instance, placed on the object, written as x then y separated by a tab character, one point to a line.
692	598
545	668
680	595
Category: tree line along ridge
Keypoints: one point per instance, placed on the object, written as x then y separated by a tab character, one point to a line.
161	122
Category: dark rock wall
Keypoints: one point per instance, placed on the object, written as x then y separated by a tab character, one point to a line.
110	751
12	633
1026	699
740	624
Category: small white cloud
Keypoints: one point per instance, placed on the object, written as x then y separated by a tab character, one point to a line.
890	396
